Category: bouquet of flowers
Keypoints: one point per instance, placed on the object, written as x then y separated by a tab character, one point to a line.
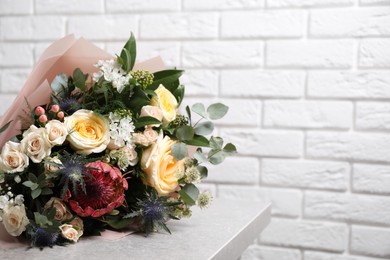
107	150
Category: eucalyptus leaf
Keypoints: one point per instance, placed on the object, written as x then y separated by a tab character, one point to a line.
35	193
204	128
179	151
185	133
216	142
59	85
217	158
230	148
203	171
46	191
28	183
217	111
189	194
199	109
32	177
199	156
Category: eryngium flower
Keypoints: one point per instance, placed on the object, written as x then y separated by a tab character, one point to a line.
104	191
42	238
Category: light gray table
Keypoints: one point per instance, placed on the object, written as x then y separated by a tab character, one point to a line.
222	231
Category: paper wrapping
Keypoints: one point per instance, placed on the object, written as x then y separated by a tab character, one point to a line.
63	56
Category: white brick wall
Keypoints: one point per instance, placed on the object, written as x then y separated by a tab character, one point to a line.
308	83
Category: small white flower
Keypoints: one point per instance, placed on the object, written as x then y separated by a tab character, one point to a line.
204	199
4	201
121	130
112	72
19	200
17	179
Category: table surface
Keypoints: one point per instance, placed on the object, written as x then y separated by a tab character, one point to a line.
223	231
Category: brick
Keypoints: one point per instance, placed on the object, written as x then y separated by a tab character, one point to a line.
345	84
311	255
179	26
309	53
373	116
305	174
128	6
221	4
371	178
349	146
111	27
201	82
270	253
12	80
227	54
308	114
32	28
350	22
266	143
308	3
256	83
69	6
306	234
374	53
262	24
370	241
374	2
5	102
16	54
243	170
348	207
169	51
285	202
8	7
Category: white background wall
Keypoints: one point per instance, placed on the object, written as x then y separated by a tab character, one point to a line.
308	84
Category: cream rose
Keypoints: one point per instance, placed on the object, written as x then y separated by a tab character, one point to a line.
89	132
15	219
150	134
166	102
56	132
161	167
77	223
62	212
152	111
35	144
12	159
70	233
52	164
141	139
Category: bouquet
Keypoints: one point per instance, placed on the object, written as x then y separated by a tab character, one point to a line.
109	149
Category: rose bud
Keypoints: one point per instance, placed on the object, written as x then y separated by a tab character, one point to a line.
42	118
55	108
39	111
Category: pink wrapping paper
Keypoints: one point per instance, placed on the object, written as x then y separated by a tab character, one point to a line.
63	56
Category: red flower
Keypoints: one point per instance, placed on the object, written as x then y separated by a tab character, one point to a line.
104	192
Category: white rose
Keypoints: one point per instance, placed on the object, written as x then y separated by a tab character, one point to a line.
141	139
150	134
167	102
152	111
56	132
15	219
35	144
12	159
70	233
89	132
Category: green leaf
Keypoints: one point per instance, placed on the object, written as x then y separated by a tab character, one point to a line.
188	110
184	133
179	94
217	111
146	120
52	213
204	128
199	109
35	193
216	142
198	140
166	77
189	194
150	92
116	223
129	52
203	171
28	184
42	220
230	148
5	126
179	151
34	186
32	177
46	191
217	157
79	79
59	85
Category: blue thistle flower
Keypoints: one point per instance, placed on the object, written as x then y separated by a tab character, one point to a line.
42	238
154	211
69	104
